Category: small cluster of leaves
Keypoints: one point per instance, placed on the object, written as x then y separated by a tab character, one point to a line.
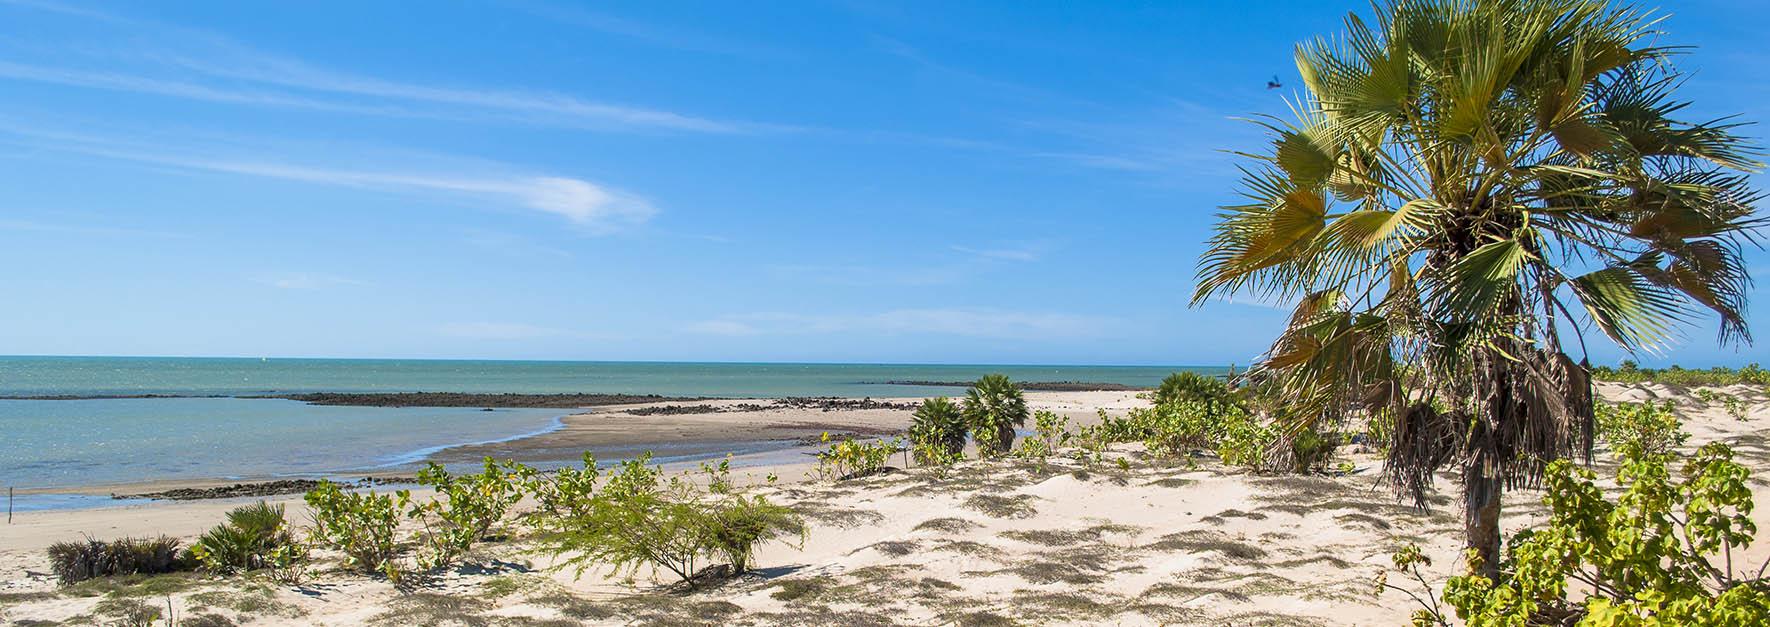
1662	553
1630	372
1051	432
465	510
639	519
73	562
850	458
255	537
1636	429
363	526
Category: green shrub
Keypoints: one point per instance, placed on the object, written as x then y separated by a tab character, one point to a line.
849	458
1311	450
360	525
73	562
937	427
564	491
638	520
1651	556
1192	387
1662	553
994	407
737	525
464	510
1050	433
1633	429
249	540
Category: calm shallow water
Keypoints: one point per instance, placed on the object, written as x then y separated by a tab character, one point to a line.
37	376
59	444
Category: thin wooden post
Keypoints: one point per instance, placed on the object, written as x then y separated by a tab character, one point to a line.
8	505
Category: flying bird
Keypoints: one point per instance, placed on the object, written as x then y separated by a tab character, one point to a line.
1274	84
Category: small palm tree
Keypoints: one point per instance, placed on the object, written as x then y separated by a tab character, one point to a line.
1193	387
994	407
938	424
1469	186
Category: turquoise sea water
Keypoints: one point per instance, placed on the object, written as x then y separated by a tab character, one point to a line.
65	443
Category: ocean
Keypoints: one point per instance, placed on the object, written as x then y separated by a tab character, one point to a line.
68	443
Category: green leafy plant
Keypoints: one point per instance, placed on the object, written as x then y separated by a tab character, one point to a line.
249	540
639	520
464	510
360	525
938	430
1634	429
1193	387
561	492
994	407
850	458
73	562
1050	433
1630	372
1662	553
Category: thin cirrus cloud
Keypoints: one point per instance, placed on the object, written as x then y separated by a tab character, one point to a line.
507	331
980	323
592	207
183	62
305	281
1025	253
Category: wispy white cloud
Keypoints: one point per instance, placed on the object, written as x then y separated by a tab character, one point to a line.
1021	253
593	207
305	281
607	23
178	61
82	229
985	323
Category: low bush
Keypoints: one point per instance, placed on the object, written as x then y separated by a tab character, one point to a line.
938	429
564	491
850	458
465	509
639	520
1051	432
994	407
1192	387
253	537
1633	429
360	525
73	562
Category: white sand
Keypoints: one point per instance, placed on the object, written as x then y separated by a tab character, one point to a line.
1154	545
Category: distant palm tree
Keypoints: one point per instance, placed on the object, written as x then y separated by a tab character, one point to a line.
1468	184
938	424
993	407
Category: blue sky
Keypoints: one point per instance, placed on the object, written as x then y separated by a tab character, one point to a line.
980	182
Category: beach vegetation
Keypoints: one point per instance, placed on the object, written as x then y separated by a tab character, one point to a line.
1050	433
566	491
852	458
1662	552
937	431
639	520
1192	387
74	562
1466	190
1632	429
255	536
993	408
1719	376
465	510
361	525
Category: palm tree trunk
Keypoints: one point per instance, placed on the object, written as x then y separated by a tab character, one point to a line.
1481	514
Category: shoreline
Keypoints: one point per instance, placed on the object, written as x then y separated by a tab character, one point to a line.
756	432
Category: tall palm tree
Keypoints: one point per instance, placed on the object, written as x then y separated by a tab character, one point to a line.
1469	187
